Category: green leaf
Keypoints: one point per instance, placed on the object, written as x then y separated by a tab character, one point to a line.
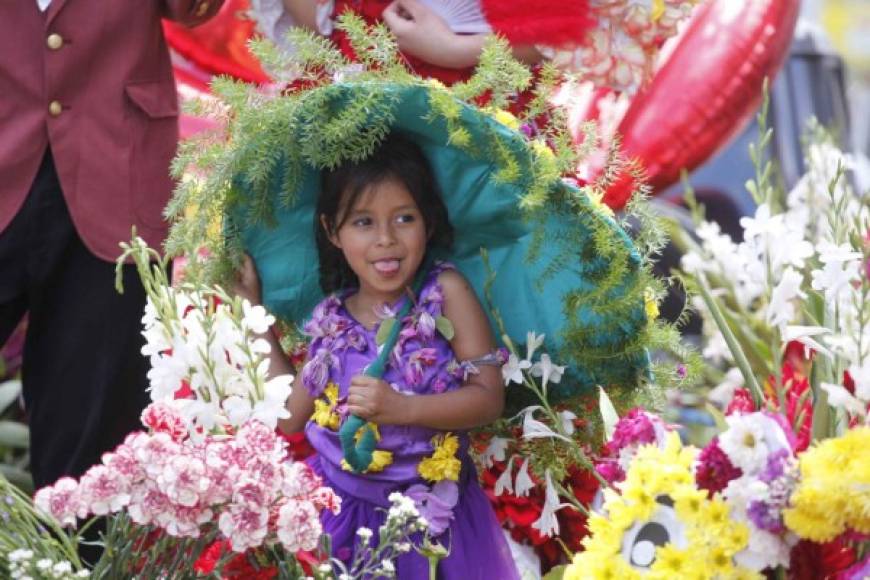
445	327
718	417
14	434
384	330
609	415
556	573
9	392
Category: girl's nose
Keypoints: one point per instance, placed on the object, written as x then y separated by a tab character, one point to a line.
386	235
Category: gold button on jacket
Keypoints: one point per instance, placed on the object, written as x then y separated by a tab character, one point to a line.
54	41
55	108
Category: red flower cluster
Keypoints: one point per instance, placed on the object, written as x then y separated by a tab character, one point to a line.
239	568
714	469
517	514
812	561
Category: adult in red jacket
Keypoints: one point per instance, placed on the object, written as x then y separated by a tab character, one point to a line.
88	125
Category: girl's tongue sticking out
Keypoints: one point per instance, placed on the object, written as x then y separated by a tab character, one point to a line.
387	267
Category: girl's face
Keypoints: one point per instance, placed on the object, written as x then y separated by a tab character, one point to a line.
383	238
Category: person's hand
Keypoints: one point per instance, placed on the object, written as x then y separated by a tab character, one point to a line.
374	400
248	282
422	33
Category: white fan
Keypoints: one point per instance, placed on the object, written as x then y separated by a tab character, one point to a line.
463	16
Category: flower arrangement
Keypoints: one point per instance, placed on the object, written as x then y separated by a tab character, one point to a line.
786	309
209	487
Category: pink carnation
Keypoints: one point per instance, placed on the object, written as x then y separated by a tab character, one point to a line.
148	505
299	480
184	480
636	428
299	525
185	521
244	527
154	451
104	490
61	501
162	418
255	439
324	498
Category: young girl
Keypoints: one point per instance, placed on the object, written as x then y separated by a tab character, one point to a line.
377	222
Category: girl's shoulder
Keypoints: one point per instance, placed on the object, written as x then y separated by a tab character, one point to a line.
450	282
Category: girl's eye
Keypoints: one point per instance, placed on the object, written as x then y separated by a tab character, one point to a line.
406	218
362	222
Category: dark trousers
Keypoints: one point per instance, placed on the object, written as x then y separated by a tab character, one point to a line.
83	375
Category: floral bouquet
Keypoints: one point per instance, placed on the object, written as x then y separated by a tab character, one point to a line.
209	487
784	487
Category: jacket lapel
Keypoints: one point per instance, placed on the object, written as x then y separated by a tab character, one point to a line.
53	8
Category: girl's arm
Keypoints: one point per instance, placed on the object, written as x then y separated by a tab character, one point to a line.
422	33
478	402
299	403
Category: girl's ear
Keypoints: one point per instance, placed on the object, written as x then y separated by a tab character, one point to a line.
333	238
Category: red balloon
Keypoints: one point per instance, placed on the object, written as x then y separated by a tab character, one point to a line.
707	89
219	46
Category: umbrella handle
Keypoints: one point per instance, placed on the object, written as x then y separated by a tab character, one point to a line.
359	452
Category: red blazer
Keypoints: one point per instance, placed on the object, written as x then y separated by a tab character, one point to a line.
92	79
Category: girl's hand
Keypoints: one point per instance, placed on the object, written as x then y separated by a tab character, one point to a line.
422	33
248	282
374	400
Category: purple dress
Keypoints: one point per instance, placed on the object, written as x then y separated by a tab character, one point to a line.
428	465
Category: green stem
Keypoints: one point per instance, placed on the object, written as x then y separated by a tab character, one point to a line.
733	345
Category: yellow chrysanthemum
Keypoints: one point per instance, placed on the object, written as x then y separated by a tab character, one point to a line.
710	537
834	490
506	118
651	305
380	460
324	410
442	464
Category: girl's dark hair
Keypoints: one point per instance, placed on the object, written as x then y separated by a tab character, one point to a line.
398	157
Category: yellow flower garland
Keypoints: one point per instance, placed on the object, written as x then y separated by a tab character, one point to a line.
325	414
442	464
712	537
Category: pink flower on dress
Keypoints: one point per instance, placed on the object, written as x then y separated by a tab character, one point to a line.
426	326
299	525
413	370
244	527
159	417
103	490
61	501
